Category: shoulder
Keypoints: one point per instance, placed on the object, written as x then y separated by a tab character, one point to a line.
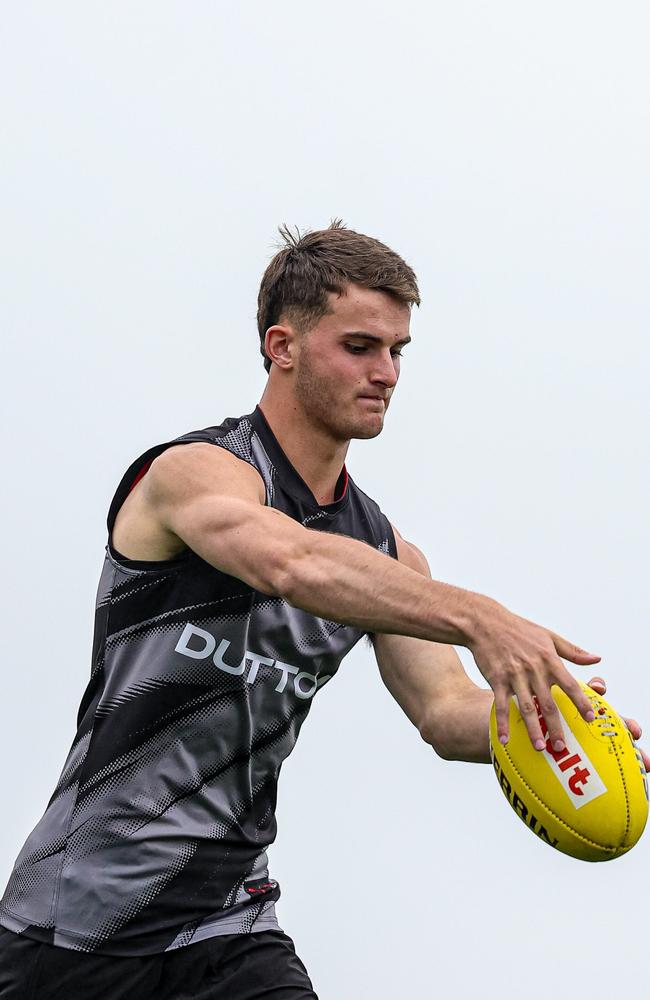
410	554
200	467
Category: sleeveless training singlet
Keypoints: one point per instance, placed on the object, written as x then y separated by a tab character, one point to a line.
156	834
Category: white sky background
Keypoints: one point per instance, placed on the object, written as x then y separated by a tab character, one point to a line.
149	151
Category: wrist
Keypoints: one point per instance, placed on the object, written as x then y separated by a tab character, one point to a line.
477	618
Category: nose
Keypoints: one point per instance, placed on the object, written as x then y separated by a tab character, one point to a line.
386	370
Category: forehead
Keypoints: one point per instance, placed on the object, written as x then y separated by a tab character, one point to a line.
367	309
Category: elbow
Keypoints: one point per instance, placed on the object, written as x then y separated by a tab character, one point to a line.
282	561
456	734
276	578
444	750
270	571
440	737
298	575
284	575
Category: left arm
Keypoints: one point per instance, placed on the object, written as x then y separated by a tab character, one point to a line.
428	681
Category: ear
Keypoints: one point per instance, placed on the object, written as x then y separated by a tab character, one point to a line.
280	344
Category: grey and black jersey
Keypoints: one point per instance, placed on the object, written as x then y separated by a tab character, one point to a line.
156	834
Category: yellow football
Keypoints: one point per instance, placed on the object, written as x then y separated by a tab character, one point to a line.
591	799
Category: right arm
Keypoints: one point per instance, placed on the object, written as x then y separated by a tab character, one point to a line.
214	503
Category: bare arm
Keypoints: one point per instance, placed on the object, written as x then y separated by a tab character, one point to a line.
214	503
428	681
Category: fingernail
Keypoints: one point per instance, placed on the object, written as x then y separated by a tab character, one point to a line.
539	744
503	739
590	716
558	745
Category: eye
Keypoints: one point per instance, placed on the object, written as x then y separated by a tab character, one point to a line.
356	348
397	353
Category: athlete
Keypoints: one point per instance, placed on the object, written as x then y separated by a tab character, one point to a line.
242	564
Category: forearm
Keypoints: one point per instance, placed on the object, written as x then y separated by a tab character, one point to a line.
333	576
344	580
430	684
458	729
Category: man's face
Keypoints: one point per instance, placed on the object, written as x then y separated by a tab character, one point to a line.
347	365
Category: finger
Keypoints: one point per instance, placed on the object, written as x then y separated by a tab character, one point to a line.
502	710
598	684
634	727
569	651
530	715
571	687
645	759
552	719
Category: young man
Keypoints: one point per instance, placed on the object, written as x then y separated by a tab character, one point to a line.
242	564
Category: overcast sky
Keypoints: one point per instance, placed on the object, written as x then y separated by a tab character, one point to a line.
149	152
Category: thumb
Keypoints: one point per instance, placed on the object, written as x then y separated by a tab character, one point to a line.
569	651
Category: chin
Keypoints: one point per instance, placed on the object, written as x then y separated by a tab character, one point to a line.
366	435
366	429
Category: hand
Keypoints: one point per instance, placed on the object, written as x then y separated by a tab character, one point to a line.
599	685
518	657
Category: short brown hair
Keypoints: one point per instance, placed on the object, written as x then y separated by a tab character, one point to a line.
311	264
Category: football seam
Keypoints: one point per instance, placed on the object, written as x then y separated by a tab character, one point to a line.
612	742
580	836
625	791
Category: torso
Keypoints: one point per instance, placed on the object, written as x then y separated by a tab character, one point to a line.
157	833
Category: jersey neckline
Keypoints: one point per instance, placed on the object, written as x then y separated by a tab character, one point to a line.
291	478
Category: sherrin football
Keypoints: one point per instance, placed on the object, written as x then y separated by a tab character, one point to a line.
590	800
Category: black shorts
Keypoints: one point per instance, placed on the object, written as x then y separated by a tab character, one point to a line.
230	967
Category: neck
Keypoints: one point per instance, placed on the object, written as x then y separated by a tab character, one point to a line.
314	454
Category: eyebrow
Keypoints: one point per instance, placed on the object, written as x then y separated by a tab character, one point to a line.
362	335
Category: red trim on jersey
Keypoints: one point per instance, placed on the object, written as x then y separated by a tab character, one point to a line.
143	471
252	890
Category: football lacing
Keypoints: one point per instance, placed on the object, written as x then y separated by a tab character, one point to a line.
604	718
